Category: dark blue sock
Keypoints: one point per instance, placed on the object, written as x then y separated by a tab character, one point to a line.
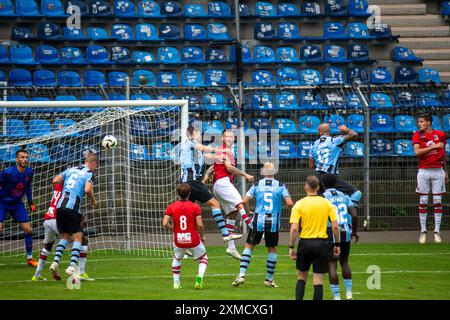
29	244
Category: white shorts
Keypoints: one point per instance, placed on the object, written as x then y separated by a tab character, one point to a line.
227	194
431	179
51	231
199	251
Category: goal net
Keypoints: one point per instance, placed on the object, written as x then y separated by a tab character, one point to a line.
134	182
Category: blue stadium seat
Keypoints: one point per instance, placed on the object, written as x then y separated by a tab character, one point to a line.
171	9
356	122
263	54
49	32
72	55
437	123
405	74
358	52
334	30
98	34
212	127
81	150
2	78
262	101
310	100
335	54
217	32
311	9
192	78
74	34
14	97
169	32
140	97
52	8
219	9
333	75
381	147
246	54
335	8
195	10
167	79
380	75
355	149
44	78
285	126
117	79
335	121
96	54
262	78
194	102
446	123
192	55
288	31
65	126
124	8
6	9
402	54
146	32
116	96
232	123
46	54
405	123
68	110
122	32
265	9
143	78
403	148
287	77
20	78
358	8
405	99
27	8
381	123
244	10
380	100
429	75
303	149
94	78
308	124
287	149
168	55
194	32
287	55
286	101
353	101
310	77
147	9
216	77
445	8
264	31
139	152
16	128
83	7
8	153
358	30
121	55
357	75
287	10
22	54
311	54
140	126
62	152
100	8
261	124
428	100
22	33
383	32
38	152
215	56
161	151
38	127
143	57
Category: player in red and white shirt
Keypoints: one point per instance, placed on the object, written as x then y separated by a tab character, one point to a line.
429	147
188	232
224	190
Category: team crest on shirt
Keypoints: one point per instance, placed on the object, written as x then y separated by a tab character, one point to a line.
436	137
184	237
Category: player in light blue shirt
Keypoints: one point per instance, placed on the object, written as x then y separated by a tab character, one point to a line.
77	182
324	158
269	194
348	223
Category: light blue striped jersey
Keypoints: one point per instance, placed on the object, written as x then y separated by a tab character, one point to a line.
269	195
341	202
192	161
325	153
75	180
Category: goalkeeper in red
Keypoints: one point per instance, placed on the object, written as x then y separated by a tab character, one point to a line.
188	232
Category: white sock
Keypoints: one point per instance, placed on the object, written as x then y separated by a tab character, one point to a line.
83	258
176	270
202	265
44	254
423	213
437	213
231	226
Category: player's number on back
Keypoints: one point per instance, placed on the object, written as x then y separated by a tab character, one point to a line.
183	223
341	212
71	182
323	155
268	201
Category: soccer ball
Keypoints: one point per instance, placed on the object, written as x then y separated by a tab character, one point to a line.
109	142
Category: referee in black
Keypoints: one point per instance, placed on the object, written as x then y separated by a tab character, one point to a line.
311	214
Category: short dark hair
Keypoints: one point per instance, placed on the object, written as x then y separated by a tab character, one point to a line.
183	190
426	117
190	130
313	182
21	151
329	181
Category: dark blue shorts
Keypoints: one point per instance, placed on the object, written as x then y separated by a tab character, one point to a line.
17	212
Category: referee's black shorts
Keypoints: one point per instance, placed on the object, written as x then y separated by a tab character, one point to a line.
315	252
68	221
199	192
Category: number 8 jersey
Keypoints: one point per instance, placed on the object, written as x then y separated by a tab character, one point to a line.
184	213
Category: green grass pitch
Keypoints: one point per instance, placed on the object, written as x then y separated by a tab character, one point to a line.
408	271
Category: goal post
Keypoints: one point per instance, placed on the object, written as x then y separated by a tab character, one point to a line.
134	182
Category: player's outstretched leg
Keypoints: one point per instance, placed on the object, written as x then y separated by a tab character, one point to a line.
245	261
271	263
72	270
231	250
437	202
218	217
202	265
42	258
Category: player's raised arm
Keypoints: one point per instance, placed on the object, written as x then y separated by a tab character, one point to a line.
208	174
349	133
232	169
